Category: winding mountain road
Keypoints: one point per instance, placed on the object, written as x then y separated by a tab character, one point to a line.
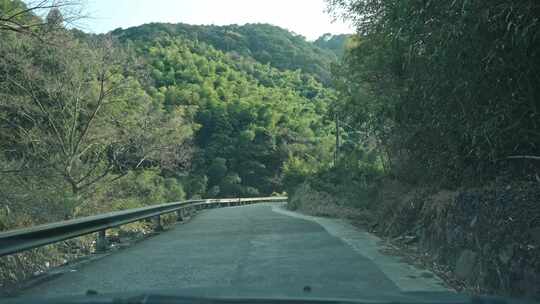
255	250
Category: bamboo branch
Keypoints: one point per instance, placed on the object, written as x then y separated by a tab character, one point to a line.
524	157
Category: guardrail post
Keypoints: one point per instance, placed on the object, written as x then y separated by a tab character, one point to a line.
180	215
101	241
156	220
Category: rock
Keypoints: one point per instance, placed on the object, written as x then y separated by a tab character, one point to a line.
465	265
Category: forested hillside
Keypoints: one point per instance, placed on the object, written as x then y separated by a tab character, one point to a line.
334	43
158	113
264	43
251	118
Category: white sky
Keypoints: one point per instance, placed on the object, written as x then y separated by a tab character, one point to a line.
304	17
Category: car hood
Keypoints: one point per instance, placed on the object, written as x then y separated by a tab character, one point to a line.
229	295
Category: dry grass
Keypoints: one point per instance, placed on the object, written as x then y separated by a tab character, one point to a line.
316	203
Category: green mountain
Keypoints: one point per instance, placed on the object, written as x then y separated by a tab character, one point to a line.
334	43
253	118
264	43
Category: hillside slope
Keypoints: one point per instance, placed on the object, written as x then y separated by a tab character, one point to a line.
263	42
252	118
334	43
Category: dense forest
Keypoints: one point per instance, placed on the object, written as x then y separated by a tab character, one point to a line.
153	114
442	93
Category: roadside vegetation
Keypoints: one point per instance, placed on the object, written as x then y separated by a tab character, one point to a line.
423	127
440	142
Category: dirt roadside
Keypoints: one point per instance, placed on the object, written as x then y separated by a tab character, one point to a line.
479	241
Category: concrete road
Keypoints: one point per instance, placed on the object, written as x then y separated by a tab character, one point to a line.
256	250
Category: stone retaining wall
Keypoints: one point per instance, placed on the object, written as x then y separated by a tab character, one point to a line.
489	238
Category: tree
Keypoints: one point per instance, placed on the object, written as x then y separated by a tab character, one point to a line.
24	18
54	18
72	112
448	88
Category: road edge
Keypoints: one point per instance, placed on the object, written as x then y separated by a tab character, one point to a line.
407	277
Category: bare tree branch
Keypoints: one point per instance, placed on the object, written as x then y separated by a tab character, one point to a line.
36	100
26	20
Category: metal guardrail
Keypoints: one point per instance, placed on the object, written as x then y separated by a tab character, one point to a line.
15	241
